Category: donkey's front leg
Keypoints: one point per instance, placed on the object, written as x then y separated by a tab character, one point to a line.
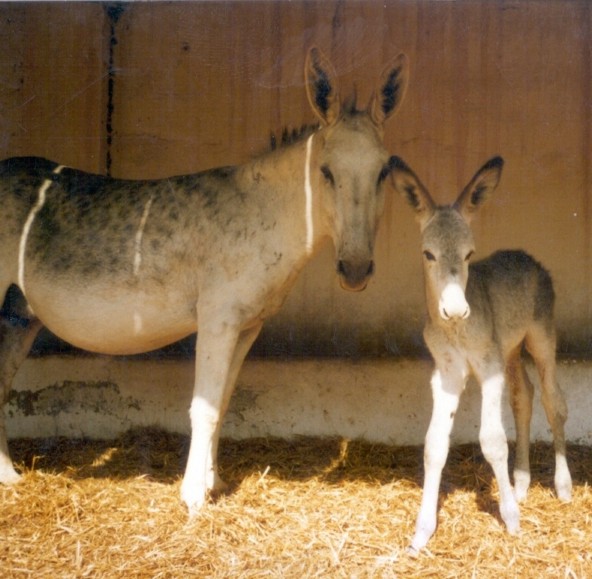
219	357
494	445
446	390
16	339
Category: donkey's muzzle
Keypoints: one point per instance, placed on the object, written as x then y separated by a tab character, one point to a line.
354	275
453	304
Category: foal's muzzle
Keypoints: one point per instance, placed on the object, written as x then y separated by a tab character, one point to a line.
453	304
354	275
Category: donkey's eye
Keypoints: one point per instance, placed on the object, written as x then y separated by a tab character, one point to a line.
469	255
429	255
327	174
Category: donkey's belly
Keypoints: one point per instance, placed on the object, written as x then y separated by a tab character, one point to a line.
114	322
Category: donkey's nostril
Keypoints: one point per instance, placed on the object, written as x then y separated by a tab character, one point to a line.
370	269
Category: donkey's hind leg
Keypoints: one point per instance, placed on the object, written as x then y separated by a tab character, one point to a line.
541	343
17	333
521	395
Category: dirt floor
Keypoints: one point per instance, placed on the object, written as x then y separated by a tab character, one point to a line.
301	508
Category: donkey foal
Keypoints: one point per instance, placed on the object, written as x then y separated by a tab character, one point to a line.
479	317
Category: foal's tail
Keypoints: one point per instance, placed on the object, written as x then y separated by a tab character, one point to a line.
544	303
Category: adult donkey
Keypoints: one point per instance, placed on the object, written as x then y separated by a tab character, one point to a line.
120	267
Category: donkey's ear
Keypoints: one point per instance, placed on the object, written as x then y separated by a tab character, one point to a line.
321	89
482	185
410	187
390	90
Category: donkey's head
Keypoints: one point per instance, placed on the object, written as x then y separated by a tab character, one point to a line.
447	239
350	163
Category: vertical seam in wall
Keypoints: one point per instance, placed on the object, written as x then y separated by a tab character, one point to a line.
587	139
114	11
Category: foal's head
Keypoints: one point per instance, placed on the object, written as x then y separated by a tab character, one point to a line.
351	163
447	239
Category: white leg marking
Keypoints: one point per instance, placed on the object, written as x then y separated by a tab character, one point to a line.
27	227
217	368
495	448
140	234
308	195
446	391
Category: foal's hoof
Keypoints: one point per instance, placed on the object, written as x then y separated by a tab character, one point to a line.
512	524
521	484
511	517
220	488
563	488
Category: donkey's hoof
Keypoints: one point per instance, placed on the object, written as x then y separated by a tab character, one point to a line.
194	497
9	476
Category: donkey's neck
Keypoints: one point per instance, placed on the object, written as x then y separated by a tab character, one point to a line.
284	184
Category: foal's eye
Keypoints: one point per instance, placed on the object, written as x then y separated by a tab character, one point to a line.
327	174
469	255
429	255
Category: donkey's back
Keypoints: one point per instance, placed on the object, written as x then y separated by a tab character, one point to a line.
514	293
110	264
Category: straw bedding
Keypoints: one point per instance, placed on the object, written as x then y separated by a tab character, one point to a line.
300	508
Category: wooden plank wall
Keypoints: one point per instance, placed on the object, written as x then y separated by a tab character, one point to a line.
197	85
53	82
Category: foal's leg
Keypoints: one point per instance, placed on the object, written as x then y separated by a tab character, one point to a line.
541	343
220	353
521	395
446	390
16	339
495	446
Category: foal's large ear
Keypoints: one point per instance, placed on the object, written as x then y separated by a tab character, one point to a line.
390	90
321	89
406	182
482	185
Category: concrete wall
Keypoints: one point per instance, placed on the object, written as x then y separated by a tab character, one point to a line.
155	89
385	401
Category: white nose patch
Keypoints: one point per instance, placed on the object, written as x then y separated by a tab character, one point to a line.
453	303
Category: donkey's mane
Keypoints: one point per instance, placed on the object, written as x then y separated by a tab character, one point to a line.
291	136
